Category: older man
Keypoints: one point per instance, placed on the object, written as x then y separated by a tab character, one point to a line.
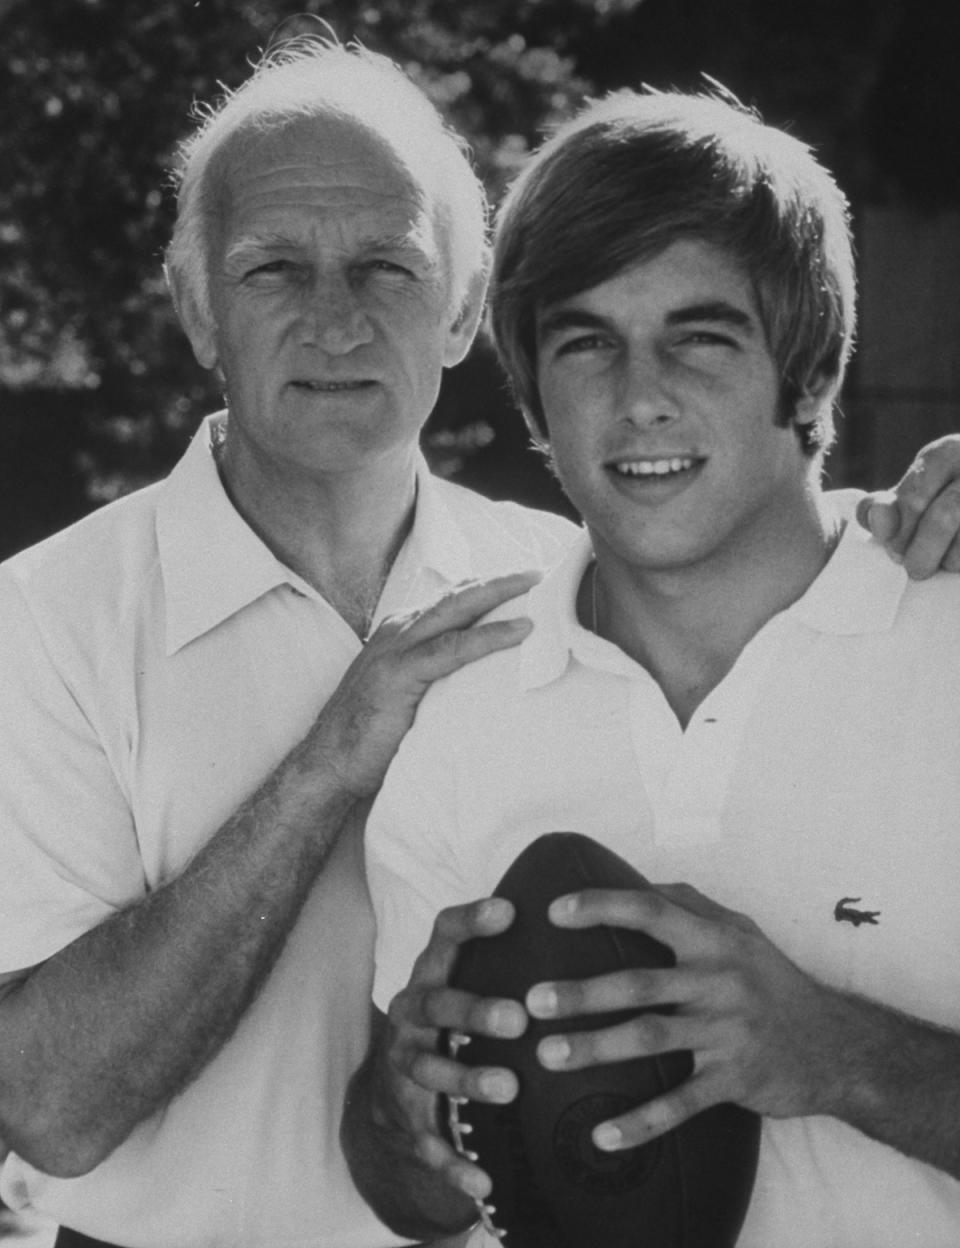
201	686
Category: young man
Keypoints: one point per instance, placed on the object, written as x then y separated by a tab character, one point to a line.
727	682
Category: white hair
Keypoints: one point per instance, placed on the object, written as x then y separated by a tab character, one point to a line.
312	77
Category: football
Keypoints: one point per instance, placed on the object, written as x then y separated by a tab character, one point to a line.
552	1188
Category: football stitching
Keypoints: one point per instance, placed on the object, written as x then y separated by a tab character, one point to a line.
455	1042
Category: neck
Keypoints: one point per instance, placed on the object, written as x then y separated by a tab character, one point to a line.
340	532
688	626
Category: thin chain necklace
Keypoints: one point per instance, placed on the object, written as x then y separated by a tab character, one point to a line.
594	612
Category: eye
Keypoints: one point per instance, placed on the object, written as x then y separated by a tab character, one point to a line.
707	338
270	268
584	343
383	265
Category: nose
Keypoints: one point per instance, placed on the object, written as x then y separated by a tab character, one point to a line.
648	399
333	317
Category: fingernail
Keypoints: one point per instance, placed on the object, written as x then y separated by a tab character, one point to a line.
563	907
607	1137
507	1019
494	910
542	1001
474	1185
895	555
554	1052
497	1088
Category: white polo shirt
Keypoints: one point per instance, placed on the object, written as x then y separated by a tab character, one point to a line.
156	663
826	765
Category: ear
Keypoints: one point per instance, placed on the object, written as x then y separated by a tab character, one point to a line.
818	393
463	330
198	326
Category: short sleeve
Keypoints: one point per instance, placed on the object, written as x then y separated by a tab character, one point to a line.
411	864
68	852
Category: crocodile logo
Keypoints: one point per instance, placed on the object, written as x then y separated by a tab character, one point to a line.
843	912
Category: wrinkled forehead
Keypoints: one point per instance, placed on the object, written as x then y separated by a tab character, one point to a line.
317	163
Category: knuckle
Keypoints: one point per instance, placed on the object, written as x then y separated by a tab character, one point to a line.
422	1068
744	927
729	990
477	1016
431	1006
914	503
425	1150
650	1031
571	997
733	1084
445	647
665	1114
388	628
733	990
740	1040
946	447
455	645
637	988
398	1008
447	924
947	506
654	904
921	462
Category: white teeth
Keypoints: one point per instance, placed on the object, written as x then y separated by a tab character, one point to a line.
653	467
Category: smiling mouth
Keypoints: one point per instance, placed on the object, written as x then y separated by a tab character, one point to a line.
655	469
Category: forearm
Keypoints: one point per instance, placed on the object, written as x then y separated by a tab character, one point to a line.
106	1032
408	1195
898	1081
109	1029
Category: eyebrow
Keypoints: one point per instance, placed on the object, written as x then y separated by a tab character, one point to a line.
258	243
251	245
558	320
715	310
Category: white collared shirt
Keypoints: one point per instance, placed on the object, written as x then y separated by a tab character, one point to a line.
156	663
826	765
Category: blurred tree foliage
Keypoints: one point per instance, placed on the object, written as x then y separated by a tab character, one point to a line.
94	95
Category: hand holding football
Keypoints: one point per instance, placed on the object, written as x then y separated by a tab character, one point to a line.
551	1186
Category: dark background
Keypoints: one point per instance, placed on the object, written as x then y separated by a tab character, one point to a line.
98	390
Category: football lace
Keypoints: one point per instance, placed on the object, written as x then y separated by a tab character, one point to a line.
458	1131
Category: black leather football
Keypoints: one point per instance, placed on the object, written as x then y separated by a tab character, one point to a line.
552	1188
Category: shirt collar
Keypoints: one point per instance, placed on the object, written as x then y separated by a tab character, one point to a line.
858	591
437	543
214	564
558	637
